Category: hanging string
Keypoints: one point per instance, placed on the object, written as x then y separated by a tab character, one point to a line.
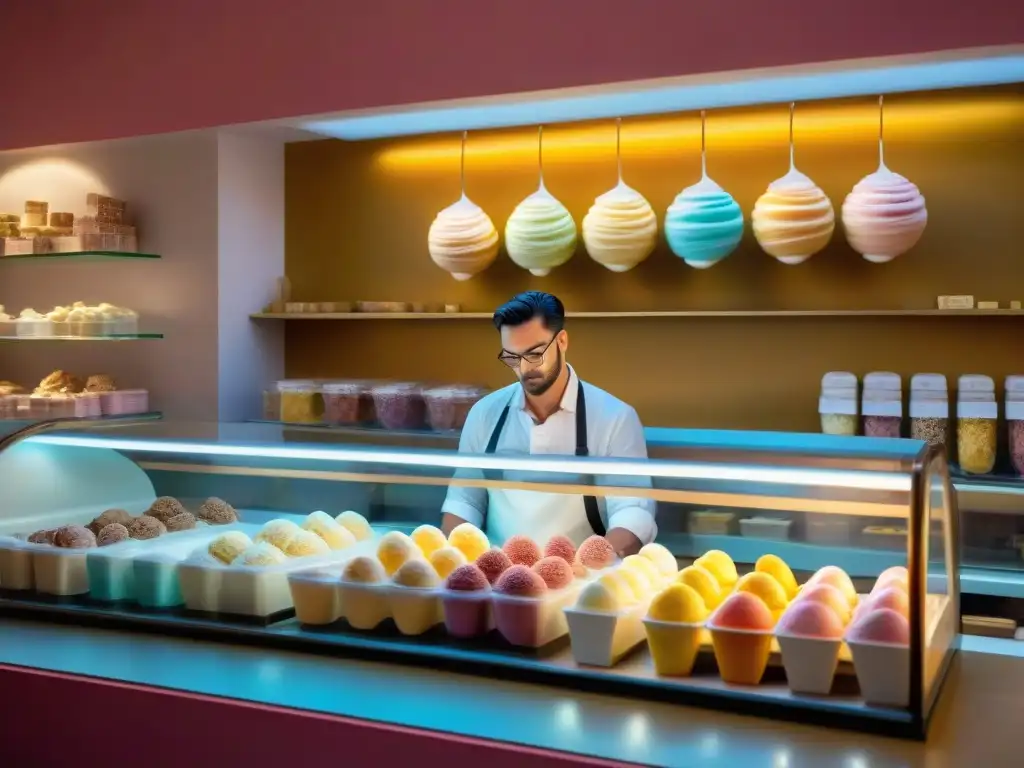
618	145
881	131
792	161
540	154
462	163
703	148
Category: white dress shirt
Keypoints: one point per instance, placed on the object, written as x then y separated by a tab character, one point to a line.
613	430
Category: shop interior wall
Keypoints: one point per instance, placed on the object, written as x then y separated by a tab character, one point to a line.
357	216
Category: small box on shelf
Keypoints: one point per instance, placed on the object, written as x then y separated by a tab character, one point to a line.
956	302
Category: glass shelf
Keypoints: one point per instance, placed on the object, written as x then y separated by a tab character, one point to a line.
119	337
80	256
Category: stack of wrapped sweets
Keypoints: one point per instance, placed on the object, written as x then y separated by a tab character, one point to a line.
103	228
64	395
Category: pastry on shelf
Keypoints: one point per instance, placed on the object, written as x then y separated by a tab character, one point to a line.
59	382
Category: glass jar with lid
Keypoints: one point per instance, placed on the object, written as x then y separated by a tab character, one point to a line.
301	401
349	403
929	408
1015	420
976	414
837	404
882	404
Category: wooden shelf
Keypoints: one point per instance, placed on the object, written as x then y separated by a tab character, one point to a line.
672	313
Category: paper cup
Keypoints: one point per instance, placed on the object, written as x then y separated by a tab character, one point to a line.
742	655
363	606
316	599
883	672
601	639
674	646
810	662
415	610
467	614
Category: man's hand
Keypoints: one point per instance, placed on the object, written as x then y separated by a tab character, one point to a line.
449	521
623	542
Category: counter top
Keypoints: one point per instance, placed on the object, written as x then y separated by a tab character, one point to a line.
973	725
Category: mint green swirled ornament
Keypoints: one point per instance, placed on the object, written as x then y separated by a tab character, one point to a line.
704	224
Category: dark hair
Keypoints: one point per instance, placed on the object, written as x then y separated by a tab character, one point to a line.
526	306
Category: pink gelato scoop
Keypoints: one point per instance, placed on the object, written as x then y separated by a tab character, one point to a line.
811	619
520	581
555	571
893	598
896	576
882	625
467	578
596	553
493	563
560	546
884	216
522	550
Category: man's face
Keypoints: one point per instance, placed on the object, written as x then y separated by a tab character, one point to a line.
541	353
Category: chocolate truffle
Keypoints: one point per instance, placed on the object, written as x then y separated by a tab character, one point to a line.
164	508
111	534
146	527
43	537
108	517
183	521
74	537
217	512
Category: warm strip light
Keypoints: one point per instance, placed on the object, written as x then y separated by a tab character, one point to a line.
659	136
858	78
815	478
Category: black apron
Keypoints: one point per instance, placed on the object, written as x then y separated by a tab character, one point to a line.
589	502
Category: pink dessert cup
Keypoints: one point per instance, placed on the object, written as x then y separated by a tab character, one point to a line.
467	614
533	622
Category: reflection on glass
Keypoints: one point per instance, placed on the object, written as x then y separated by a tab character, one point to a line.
941	609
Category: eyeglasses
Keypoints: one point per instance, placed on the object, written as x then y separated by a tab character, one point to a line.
512	360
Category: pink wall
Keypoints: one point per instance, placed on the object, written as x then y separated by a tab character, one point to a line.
154	67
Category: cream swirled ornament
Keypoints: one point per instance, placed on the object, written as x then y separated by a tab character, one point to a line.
794	218
620	230
541	233
462	239
704	224
885	214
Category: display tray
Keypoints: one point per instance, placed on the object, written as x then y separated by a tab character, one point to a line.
554	664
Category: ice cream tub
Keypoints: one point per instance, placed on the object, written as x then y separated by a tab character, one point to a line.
810	662
414	609
533	622
467	614
315	594
674	646
775	529
600	638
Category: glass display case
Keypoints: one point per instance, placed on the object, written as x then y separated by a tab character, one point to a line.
316	541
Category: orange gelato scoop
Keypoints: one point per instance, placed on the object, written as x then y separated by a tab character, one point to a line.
743	610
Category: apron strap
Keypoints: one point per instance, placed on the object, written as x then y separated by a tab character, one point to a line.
492	446
589	502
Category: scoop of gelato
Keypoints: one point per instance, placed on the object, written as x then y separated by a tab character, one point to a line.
493	563
896	576
416	573
467	578
776	567
596	553
828	596
678	603
720	565
522	550
217	512
428	539
74	537
164	508
363	570
184	521
334	534
880	626
663	560
470	539
807	618
701	580
520	581
278	532
229	546
560	546
616	583
112	534
447	559
644	566
394	549
892	597
261	553
766	588
356	524
43	537
108	517
596	596
305	544
744	610
639	584
836	576
146	527
557	573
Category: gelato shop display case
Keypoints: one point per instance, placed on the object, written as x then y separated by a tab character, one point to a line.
249	533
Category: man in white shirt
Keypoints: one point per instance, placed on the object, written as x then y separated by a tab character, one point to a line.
550	411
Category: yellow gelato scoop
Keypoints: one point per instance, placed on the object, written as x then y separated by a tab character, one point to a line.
470	540
776	567
306	544
794	219
638	582
278	532
356	524
429	539
618	586
597	596
260	554
363	570
462	240
416	573
719	565
703	583
767	588
620	230
394	549
540	234
678	603
228	546
334	534
447	559
644	566
664	560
